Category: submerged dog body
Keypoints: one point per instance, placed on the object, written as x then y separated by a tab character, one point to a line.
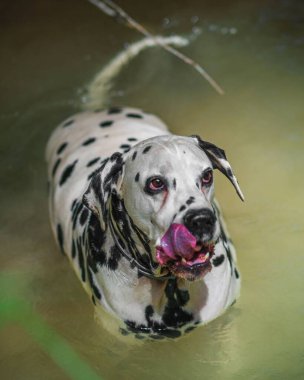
132	207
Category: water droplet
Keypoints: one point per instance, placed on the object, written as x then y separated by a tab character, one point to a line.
194	19
212	27
197	30
233	30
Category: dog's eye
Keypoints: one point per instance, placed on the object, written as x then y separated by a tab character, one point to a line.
155	185
207	178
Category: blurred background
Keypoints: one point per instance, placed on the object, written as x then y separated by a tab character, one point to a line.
50	50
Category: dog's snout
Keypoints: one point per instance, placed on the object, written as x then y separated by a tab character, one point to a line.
200	222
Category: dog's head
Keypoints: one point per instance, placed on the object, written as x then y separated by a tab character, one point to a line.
160	197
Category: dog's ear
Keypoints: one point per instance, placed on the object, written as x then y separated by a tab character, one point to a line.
219	161
105	180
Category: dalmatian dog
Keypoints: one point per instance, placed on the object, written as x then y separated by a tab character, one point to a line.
132	206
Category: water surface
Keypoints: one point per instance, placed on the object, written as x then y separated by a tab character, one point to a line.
49	52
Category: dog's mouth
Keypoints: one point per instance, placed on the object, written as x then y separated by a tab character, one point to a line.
184	256
196	267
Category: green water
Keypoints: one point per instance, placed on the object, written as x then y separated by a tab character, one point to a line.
49	51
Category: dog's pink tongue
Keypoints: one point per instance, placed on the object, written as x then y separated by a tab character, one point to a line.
177	241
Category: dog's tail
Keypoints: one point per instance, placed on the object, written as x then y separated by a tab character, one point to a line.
98	90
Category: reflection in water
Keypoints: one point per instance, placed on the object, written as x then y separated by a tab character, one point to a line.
255	51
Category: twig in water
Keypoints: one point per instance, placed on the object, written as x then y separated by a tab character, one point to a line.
113	10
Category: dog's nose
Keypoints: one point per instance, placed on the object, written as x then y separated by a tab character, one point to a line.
200	223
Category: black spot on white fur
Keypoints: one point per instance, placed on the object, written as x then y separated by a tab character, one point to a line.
94	288
217	261
173	318
76	211
73	250
67	173
135	115
125	146
147	148
190	201
114	258
89	141
81	260
55	167
93	162
115	156
105	124
62	148
236	273
84	216
68	123
73	204
59	233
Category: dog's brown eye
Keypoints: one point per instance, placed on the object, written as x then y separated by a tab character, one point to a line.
207	178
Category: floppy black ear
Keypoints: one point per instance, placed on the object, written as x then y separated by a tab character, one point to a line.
103	183
219	161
